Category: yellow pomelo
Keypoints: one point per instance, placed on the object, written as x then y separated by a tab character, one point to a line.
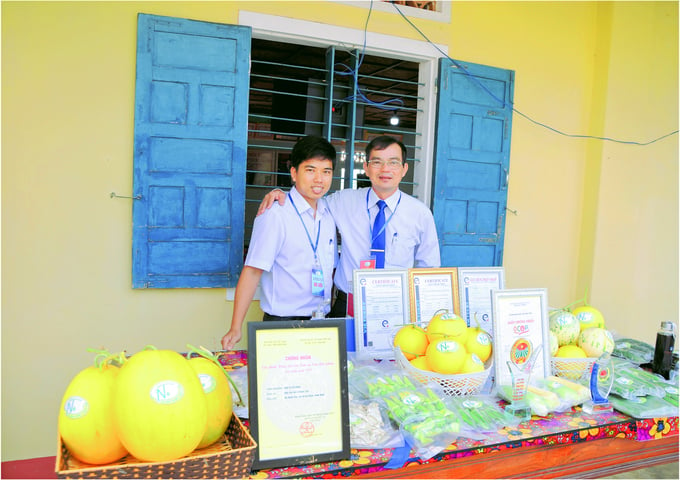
447	325
595	341
445	356
218	396
420	363
588	317
159	406
479	342
412	340
569	367
570	351
85	417
565	326
472	364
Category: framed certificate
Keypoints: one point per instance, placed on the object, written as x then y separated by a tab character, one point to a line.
380	309
431	290
520	332
475	285
297	383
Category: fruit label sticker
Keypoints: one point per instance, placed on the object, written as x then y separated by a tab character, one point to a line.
448	347
76	407
167	392
411	400
208	382
472	404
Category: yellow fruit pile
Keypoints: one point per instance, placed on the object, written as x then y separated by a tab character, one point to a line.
446	346
592	341
156	405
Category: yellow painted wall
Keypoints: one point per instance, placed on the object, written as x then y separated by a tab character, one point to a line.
590	213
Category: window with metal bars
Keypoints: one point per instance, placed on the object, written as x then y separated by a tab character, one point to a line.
345	96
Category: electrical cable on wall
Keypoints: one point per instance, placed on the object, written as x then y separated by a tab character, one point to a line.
504	103
384	105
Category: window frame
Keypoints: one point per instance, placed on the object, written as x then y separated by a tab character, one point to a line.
276	28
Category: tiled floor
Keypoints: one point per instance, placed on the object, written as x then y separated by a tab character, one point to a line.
663	471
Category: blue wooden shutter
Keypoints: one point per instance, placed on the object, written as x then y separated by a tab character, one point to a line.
472	161
191	106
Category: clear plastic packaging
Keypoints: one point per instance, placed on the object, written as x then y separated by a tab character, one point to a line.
632	381
635	351
643	407
481	413
369	426
570	393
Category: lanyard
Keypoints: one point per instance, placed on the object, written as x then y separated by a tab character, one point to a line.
370	225
318	229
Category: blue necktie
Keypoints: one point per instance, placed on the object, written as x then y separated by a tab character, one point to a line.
378	243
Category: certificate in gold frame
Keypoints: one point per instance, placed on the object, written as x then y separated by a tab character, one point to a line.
431	290
297	386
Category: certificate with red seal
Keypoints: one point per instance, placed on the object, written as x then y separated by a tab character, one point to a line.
298	400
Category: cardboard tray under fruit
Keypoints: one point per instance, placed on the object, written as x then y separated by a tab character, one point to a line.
230	457
453	385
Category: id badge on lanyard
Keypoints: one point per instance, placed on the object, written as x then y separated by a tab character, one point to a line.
317	279
318	289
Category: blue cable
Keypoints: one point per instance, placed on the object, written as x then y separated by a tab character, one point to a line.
511	104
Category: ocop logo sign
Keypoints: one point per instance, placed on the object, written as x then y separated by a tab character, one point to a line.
520	329
520	351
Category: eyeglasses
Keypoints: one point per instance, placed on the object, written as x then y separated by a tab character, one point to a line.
391	164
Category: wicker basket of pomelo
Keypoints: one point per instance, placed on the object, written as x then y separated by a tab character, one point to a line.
447	351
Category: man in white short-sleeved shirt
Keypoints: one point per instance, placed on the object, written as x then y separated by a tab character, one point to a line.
292	251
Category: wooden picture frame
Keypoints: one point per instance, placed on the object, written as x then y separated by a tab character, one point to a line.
432	290
298	393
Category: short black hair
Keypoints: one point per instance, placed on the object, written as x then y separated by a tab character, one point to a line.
312	147
381	143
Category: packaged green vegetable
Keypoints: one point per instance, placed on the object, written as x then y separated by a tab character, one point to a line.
643	407
481	412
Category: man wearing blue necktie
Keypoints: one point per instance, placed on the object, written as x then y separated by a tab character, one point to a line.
407	232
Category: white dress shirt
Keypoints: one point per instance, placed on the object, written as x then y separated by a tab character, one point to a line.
410	234
280	246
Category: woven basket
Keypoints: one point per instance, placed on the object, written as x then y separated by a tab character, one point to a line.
453	385
572	368
230	457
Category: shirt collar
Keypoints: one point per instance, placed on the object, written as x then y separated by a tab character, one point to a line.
303	206
391	201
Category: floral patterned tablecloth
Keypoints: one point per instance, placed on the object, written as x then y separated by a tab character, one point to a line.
571	426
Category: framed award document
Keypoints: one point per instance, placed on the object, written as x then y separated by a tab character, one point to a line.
380	309
432	290
475	285
520	333
298	397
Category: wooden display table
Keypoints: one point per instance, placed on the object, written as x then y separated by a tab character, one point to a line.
570	444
